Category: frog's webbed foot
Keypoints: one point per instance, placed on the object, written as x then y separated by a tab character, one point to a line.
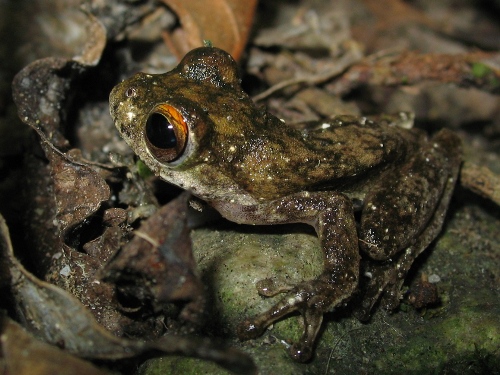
384	284
386	279
311	299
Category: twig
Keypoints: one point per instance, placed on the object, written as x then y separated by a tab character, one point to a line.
345	62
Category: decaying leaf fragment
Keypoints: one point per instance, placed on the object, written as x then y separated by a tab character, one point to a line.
79	190
225	23
43	109
410	68
157	267
53	314
26	355
481	180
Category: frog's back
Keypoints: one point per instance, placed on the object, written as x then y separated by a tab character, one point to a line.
333	154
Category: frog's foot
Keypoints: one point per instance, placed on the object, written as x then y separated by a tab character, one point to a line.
385	284
386	279
311	299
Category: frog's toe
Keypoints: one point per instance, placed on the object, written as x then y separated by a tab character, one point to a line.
309	302
250	329
385	286
302	351
254	327
271	287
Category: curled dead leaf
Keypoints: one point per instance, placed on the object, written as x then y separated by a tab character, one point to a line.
411	68
157	267
75	192
95	42
78	189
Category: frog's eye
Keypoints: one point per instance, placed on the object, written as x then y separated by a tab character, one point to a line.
166	133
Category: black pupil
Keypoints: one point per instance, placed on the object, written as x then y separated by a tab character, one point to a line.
160	132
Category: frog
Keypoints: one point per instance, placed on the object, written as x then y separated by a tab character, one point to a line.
375	190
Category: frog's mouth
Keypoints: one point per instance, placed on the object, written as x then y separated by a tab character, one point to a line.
112	103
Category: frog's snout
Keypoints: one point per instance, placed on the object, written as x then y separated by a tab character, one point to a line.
113	102
117	98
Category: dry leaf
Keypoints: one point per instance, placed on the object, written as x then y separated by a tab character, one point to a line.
95	42
157	266
26	355
481	180
225	23
61	206
79	190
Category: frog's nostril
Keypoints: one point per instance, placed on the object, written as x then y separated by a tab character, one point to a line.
131	92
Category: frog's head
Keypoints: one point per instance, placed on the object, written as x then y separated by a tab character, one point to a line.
188	119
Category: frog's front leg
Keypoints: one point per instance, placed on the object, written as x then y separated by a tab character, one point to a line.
331	214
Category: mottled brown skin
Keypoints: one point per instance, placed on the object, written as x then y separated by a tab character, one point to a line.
255	169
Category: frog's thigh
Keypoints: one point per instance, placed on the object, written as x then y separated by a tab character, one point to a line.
400	206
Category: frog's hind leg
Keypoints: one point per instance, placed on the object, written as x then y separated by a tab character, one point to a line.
423	190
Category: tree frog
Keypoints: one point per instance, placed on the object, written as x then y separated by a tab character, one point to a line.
373	190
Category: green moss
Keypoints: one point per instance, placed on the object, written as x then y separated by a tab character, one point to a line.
418	357
437	354
471	332
233	262
180	365
480	70
472	329
495	82
143	169
273	359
